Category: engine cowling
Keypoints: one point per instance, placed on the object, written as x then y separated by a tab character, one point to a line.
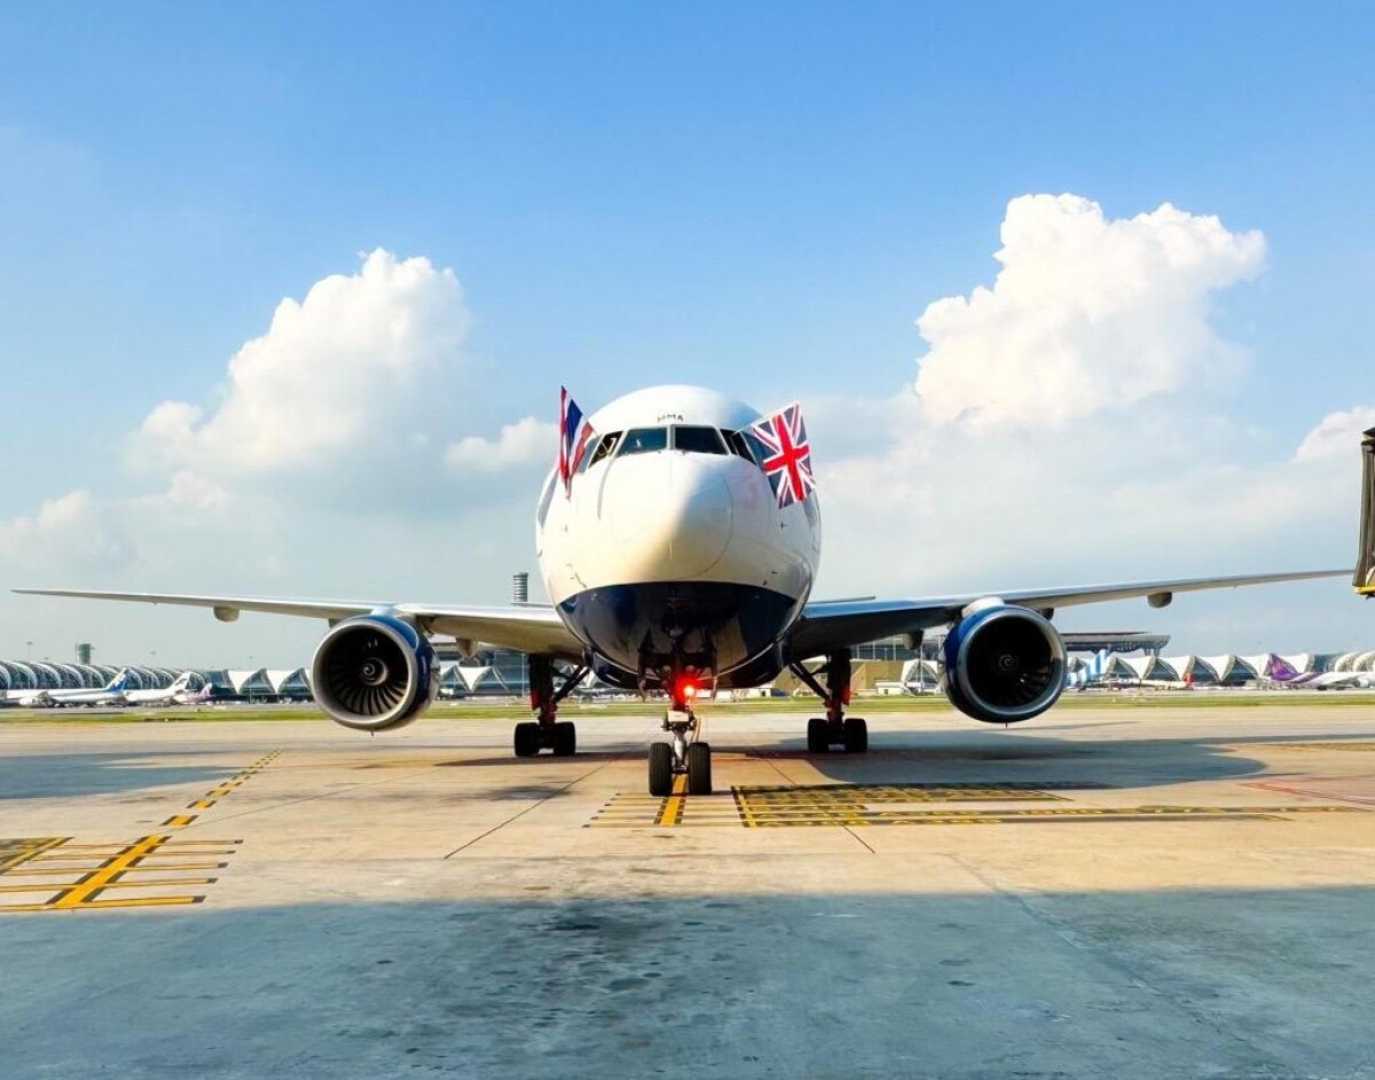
374	672
1004	664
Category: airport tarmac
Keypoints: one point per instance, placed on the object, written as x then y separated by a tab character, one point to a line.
1124	892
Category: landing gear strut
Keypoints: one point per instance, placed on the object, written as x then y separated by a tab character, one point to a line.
546	731
684	755
835	728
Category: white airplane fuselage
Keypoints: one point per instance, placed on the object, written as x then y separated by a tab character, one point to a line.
670	559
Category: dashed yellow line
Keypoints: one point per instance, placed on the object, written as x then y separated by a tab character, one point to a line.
215	794
671	813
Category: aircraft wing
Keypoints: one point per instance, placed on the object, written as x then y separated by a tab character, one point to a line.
837	624
527	627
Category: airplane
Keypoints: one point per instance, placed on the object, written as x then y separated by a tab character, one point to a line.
1090	674
179	693
678	536
112	693
1285	674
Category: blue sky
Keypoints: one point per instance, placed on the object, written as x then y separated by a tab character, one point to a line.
758	197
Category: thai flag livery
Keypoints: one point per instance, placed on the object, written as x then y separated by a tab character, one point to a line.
780	443
574	435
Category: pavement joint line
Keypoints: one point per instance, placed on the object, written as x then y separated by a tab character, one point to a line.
532	806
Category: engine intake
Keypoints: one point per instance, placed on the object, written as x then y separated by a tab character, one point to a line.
1004	664
374	672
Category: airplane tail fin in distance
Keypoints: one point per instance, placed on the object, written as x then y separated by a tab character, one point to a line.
119	682
1364	580
1280	670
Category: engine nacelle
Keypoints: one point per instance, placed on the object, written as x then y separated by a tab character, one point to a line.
374	672
1004	664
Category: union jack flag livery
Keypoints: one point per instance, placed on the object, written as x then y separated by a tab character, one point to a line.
785	455
574	435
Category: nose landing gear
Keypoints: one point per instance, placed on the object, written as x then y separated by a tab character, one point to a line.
546	731
684	755
835	728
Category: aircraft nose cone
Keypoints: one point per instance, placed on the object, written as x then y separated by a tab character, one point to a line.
673	522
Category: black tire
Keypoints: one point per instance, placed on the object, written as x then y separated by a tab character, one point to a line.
699	769
565	738
527	739
856	735
818	736
660	769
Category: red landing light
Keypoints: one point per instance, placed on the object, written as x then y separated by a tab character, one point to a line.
687	689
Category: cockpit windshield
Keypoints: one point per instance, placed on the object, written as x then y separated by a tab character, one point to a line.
644	441
698	440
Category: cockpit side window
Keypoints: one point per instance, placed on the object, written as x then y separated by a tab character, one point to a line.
739	445
605	448
697	440
644	440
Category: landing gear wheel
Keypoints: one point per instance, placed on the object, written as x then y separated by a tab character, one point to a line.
660	769
856	735
818	736
699	769
565	739
527	739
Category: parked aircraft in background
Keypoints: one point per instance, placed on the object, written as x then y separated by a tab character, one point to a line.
1091	673
679	536
1285	674
112	693
179	693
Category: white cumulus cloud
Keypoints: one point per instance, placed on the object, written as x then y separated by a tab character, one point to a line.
526	442
1336	434
1086	312
68	533
337	374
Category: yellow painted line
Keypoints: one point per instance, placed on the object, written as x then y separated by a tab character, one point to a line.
179	821
183	842
28	850
155	883
201	804
46	886
672	810
140	901
127	859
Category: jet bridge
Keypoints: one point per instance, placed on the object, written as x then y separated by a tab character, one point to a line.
1364	580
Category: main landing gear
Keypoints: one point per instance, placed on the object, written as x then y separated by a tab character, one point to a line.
835	728
684	755
546	731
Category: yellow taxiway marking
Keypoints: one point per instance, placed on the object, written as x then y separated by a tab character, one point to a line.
89	888
143	864
25	849
222	789
671	813
841	805
88	871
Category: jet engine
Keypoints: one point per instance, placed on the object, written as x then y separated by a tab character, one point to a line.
374	672
1004	664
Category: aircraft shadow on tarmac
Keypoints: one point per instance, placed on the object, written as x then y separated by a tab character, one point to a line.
975	756
40	776
621	981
